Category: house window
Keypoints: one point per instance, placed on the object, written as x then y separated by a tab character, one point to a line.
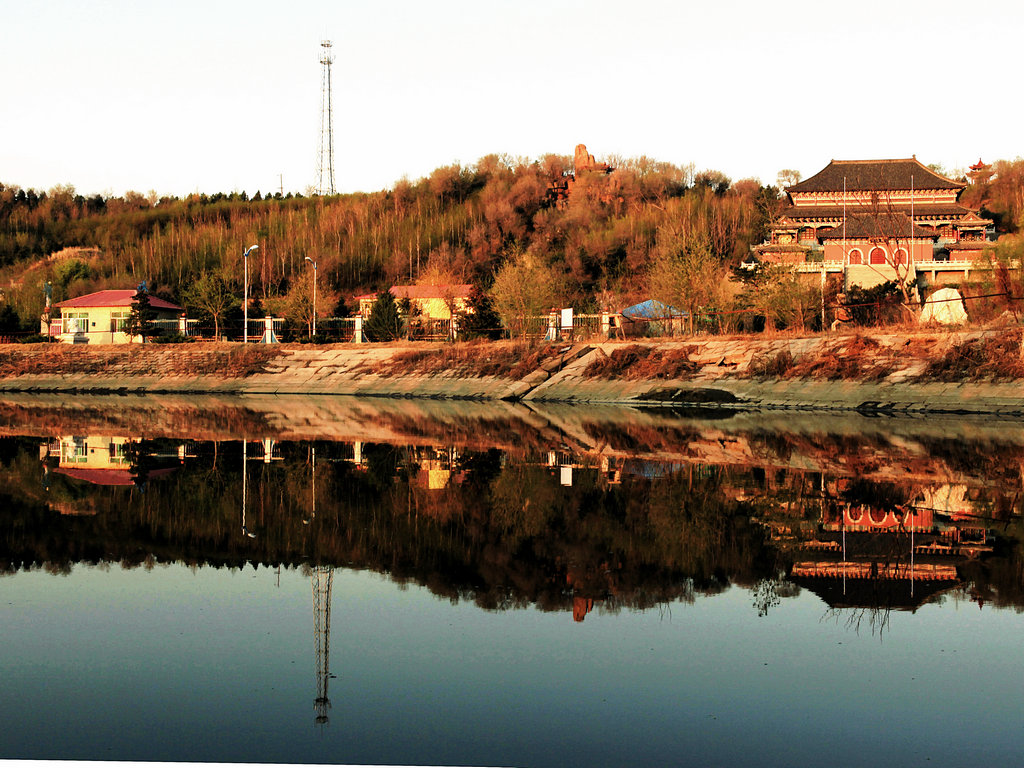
856	257
877	256
76	452
75	322
118	321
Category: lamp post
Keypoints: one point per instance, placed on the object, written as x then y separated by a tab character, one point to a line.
245	301
314	293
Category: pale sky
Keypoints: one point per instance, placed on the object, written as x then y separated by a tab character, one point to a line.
217	96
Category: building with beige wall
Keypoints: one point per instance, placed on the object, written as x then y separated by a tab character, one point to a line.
431	302
102	317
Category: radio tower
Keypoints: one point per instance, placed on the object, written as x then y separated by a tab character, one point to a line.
322	578
325	162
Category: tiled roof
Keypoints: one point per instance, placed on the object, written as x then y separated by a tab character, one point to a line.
866	175
836	211
895	226
114	299
968	245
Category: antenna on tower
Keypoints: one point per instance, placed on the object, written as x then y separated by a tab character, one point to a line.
325	161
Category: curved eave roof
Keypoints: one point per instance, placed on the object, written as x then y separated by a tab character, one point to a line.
894	226
803	212
867	175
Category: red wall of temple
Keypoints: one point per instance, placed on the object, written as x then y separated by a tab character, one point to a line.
834	250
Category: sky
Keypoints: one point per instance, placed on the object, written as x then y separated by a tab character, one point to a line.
225	96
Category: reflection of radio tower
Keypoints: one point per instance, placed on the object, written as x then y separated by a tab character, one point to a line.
322	578
325	163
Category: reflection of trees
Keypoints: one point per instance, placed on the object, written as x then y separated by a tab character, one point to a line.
502	536
503	533
876	618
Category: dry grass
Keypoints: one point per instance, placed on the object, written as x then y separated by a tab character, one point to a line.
856	357
771	366
992	357
474	359
234	361
639	362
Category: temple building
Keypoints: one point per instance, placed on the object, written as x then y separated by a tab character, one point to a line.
877	220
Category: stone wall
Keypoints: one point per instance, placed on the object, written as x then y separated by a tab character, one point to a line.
721	376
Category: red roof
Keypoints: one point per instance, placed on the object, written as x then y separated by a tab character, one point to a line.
112	476
455	291
115	299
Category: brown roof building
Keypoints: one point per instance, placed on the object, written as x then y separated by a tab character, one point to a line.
874	220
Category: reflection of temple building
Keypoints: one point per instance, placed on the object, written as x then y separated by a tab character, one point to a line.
861	554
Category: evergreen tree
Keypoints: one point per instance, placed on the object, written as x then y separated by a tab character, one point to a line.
142	315
481	319
10	323
384	322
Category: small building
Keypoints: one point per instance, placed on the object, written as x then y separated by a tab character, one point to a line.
102	317
431	302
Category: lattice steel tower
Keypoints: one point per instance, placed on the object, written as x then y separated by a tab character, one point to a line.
325	162
322	578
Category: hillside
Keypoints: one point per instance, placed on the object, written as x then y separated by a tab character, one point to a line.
581	233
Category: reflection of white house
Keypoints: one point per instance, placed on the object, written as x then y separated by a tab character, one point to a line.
104	459
101	317
96	459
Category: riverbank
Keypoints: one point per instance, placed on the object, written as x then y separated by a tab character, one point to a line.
968	372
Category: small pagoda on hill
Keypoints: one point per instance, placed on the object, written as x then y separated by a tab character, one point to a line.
879	213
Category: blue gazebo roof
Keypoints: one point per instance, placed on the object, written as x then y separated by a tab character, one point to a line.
652	309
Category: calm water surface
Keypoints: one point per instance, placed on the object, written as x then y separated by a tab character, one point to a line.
696	592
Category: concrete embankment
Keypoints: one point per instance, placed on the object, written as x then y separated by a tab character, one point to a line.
727	372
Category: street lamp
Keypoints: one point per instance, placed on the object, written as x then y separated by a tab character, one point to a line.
245	302
314	293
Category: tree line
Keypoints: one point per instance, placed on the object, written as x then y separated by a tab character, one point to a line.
646	229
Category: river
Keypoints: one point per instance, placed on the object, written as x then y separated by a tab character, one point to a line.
331	580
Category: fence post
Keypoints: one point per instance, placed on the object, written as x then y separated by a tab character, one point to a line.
183	325
606	325
358	337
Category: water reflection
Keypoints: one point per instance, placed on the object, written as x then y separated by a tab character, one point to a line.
705	566
559	529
